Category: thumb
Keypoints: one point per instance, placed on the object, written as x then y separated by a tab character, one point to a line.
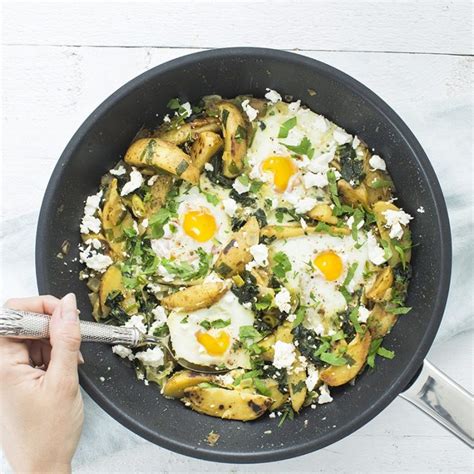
65	339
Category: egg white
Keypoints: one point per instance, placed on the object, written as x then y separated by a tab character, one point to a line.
305	279
186	345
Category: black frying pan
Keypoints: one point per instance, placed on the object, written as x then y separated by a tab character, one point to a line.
103	139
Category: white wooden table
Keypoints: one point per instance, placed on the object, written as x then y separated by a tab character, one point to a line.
62	59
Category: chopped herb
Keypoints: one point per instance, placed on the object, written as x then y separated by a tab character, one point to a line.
304	148
281	265
211	198
241	133
376	349
184	320
131	232
261	217
353	315
387	354
300	314
220	323
263	303
261	387
358	218
185	271
247	333
205	324
287	413
333	359
174	104
387	249
352	168
398	310
333	188
380	183
350	275
298	386
161	331
255	186
286	127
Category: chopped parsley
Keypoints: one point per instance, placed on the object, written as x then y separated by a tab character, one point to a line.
281	265
286	127
304	148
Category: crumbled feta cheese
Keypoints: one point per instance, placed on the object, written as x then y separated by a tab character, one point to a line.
377	163
161	247
355	142
187	110
166	118
208	167
144	223
272	96
95	243
260	254
284	355
337	174
294	106
152	180
376	253
324	395
318	180
226	379
320	163
136	180
341	136
119	171
312	378
421	210
291	318
304	205
123	352
283	300
151	357
364	314
394	221
89	222
303	224
136	321
267	432
159	314
272	415
230	206
94	260
102	379
240	187
247	305
249	110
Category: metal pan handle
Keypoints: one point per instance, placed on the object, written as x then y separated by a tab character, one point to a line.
444	400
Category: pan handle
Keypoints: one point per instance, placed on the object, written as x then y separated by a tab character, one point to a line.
444	400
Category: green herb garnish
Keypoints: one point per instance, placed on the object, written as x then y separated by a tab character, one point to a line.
286	127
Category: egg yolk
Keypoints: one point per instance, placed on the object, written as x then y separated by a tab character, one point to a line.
214	346
329	264
282	168
199	225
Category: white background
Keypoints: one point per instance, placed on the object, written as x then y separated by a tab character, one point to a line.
60	60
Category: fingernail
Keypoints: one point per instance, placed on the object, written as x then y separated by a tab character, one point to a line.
69	308
81	358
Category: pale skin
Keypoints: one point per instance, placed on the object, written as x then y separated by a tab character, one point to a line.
41	410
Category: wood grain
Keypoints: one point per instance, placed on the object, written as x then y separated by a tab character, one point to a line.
391	26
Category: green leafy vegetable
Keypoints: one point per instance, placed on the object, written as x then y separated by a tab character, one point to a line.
304	148
281	265
333	359
352	168
286	127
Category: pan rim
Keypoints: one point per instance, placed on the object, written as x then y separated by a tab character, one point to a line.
440	212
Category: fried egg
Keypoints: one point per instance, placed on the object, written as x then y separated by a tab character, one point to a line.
198	224
319	266
293	167
208	336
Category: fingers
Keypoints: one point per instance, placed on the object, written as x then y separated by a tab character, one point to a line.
38	304
65	339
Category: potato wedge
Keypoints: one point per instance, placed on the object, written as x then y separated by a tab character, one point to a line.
357	350
278	397
353	196
236	254
227	404
115	218
112	282
380	322
283	333
189	131
234	129
296	384
289	231
381	289
180	381
206	145
196	297
266	344
405	242
163	156
158	192
323	213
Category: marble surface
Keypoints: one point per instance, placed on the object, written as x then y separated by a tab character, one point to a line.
53	77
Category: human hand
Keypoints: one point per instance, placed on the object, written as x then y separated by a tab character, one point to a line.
40	401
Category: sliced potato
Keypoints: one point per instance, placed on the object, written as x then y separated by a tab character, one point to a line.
266	344
158	192
296	384
196	297
227	404
178	382
115	218
356	350
278	397
163	156
380	322
405	242
283	333
236	254
381	289
206	145
353	196
189	131
112	282
234	128
289	231
323	213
